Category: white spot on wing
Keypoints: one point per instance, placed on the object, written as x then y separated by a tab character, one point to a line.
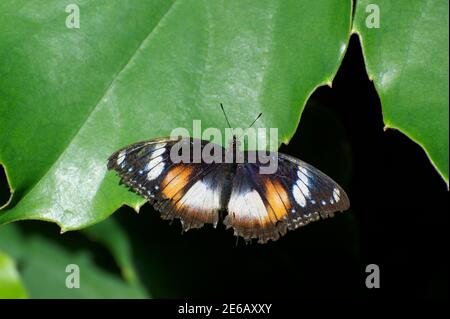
155	171
303	177
158	152
120	157
304	189
336	194
152	163
298	196
201	197
248	205
303	170
159	145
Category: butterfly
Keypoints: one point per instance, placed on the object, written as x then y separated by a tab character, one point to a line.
257	206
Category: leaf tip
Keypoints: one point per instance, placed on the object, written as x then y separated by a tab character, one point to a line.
62	228
137	208
9	191
438	169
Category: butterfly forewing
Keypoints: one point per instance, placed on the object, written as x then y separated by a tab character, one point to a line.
313	193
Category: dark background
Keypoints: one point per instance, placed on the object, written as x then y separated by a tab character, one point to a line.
398	217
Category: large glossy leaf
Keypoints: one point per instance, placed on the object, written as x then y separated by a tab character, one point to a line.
137	69
11	285
44	269
407	58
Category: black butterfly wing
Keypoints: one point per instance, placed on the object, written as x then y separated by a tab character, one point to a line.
190	190
265	206
314	191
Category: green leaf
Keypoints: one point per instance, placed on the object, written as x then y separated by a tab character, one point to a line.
44	271
136	70
11	285
110	234
407	58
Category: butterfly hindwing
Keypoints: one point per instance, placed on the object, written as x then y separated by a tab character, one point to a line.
193	193
249	210
190	191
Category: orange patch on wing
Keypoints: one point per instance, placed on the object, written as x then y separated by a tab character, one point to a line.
171	174
271	216
176	179
277	197
283	194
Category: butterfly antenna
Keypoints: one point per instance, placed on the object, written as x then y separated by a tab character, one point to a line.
255	120
225	114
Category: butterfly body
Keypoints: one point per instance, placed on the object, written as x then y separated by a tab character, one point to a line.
200	191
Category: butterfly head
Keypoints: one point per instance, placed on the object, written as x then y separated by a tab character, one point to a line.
235	143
